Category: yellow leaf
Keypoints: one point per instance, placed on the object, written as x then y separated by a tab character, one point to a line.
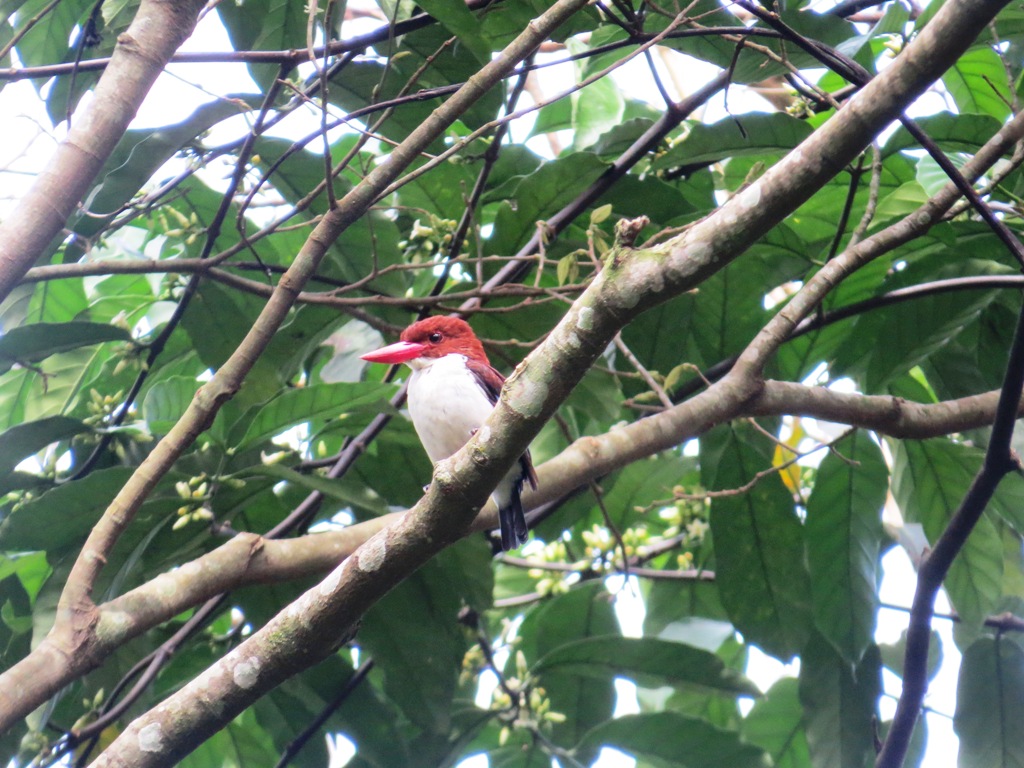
786	451
107	737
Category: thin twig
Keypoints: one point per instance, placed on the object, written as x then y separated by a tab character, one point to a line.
874	189
296	744
644	373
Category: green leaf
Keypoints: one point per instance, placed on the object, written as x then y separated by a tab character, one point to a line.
54	301
647	661
953	133
66	92
414	638
362	83
913	330
596	109
129	296
367	245
721	318
839	705
320	401
568	270
556	116
710	706
663	203
467	564
621	137
24	440
48	43
932	177
398	446
930	480
990	704
753	134
639	485
759	543
904	200
166	402
798	357
16	609
508	21
31	343
61	516
422	57
598	397
31	570
538	196
442	191
660	338
136	158
241	743
775	723
345	491
815	220
585	611
35	393
977	83
676	740
753	66
217	320
364	716
456	17
600	213
18	625
844	532
426	57
729	307
264	25
976	360
686	612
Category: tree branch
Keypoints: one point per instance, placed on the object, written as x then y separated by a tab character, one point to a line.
789	319
140	55
999	461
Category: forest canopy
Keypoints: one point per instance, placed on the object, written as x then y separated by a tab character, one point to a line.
753	269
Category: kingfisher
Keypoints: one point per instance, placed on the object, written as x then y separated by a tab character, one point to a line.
452	391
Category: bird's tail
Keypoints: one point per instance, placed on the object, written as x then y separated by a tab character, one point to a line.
512	521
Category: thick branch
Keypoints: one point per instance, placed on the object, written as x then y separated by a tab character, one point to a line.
247	559
141	53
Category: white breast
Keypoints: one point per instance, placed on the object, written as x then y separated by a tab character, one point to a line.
446	403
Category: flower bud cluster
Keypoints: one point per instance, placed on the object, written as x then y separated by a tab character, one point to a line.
195	492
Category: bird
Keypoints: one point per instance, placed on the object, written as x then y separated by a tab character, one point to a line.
452	391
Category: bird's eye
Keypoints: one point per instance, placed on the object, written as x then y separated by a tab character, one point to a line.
434	338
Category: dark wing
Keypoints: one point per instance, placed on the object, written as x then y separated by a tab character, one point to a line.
490	382
528	472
